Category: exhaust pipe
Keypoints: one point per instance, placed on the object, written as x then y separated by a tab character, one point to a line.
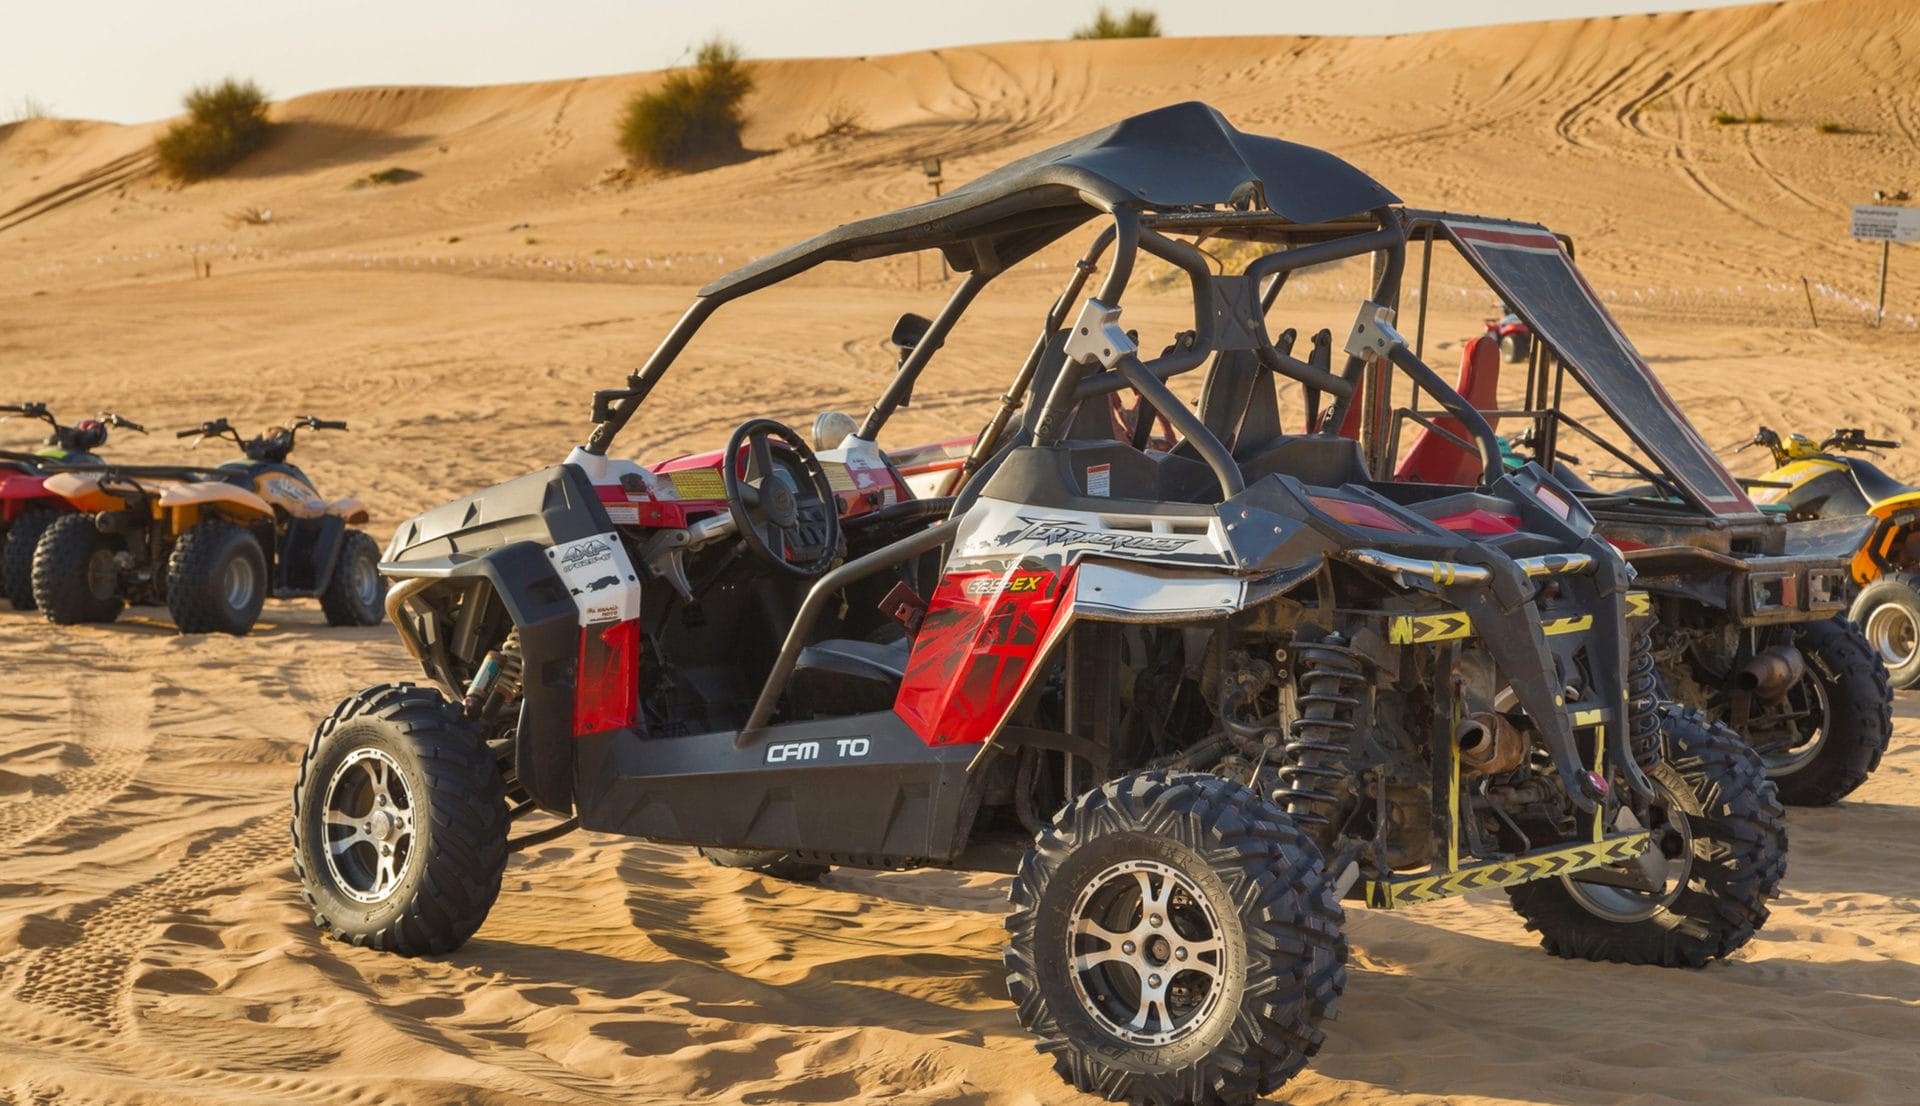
1489	744
1771	674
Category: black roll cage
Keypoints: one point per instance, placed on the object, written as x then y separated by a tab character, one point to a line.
1381	232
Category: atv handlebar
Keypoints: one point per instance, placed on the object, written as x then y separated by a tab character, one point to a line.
1855	437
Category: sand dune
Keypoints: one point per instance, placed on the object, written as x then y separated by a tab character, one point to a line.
152	944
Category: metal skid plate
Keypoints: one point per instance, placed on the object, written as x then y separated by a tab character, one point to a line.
1398	891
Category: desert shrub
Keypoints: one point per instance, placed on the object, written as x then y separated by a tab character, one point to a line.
394	175
842	119
1832	126
693	118
1136	23
25	108
224	123
1726	118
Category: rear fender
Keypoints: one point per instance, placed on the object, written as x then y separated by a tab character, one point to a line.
82	491
185	504
351	509
1896	517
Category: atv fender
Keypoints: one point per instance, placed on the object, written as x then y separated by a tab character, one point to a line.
185	503
83	491
350	509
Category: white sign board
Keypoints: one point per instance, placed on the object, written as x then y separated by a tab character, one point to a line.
1876	223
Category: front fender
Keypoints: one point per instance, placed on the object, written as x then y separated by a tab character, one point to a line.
445	624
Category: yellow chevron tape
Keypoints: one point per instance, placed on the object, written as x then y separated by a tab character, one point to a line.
1399	891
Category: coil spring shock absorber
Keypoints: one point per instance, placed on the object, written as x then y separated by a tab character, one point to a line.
1643	700
1314	777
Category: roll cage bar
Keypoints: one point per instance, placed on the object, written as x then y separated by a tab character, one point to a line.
1229	314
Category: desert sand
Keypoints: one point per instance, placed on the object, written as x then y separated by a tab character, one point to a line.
153	948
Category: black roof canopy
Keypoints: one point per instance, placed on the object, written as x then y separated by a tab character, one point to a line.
1179	157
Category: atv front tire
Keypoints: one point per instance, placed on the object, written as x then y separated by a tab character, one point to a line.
1847	682
1723	835
772	863
356	594
16	556
1175	939
75	579
399	823
216	579
1515	347
1888	613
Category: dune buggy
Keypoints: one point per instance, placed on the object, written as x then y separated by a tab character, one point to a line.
1191	697
212	543
1751	604
26	507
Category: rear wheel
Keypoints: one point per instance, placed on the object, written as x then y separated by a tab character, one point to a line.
216	579
355	594
1888	613
76	577
1515	347
16	556
1826	736
1722	847
768	862
399	823
1174	939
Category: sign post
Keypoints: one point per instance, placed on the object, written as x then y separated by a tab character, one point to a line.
1886	225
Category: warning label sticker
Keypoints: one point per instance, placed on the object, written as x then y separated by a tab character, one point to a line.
1100	480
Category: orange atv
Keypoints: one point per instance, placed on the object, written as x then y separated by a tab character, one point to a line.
211	543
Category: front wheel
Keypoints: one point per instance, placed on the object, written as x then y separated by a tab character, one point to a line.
1888	613
76	574
1175	939
355	594
1721	841
399	823
216	579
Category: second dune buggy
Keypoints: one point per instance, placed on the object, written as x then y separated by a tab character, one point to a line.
1192	697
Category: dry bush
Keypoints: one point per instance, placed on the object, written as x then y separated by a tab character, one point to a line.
693	119
842	119
25	108
1136	23
224	123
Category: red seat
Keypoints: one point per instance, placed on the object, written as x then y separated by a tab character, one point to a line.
1435	460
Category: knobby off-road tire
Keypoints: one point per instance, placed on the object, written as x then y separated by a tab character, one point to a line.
356	593
1213	901
1852	682
16	556
448	846
1732	852
768	862
74	579
1888	613
216	579
1515	347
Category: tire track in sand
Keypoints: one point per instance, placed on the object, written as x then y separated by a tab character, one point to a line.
108	726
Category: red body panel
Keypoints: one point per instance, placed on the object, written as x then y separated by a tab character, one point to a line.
699	490
20	490
983	634
1480	522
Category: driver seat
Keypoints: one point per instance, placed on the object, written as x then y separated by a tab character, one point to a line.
847	676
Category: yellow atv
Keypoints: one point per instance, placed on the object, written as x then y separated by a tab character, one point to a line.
1822	480
211	543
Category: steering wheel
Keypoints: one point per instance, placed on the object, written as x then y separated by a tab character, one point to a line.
797	529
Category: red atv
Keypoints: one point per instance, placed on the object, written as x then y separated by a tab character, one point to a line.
26	507
1513	334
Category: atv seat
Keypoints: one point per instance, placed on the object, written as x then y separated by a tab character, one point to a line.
1874	482
845	676
1435	460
